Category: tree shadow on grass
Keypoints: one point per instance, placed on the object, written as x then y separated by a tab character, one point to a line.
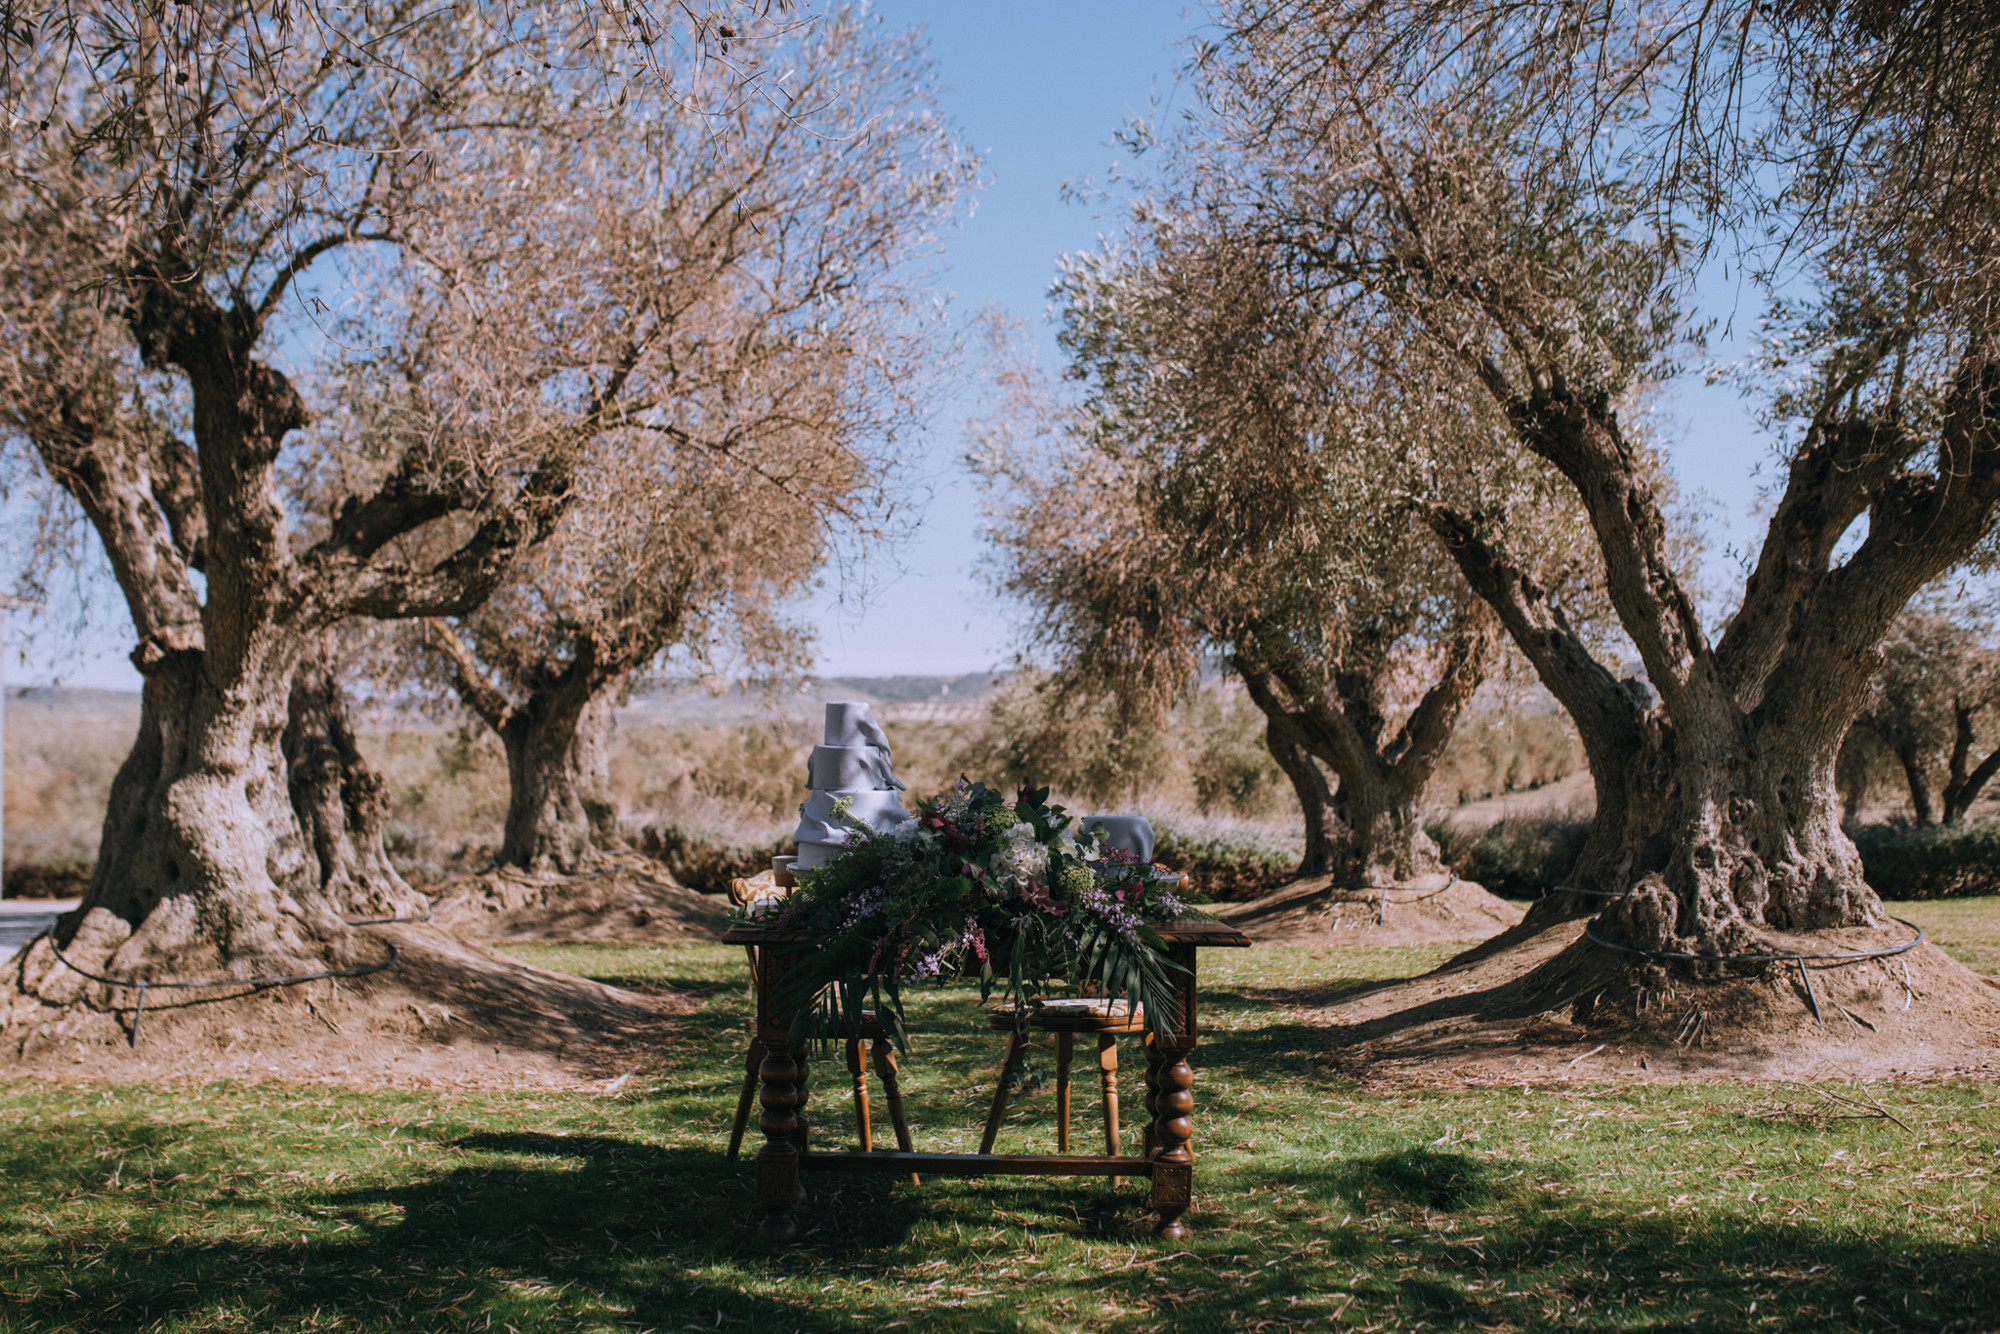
550	1231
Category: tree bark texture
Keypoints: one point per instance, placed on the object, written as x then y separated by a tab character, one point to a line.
1282	736
341	801
1382	778
1626	741
1749	730
205	867
560	808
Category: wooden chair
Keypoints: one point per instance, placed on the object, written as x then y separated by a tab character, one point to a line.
1108	1019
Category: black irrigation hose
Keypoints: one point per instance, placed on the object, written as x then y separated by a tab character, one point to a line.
142	985
1382	892
1812	1000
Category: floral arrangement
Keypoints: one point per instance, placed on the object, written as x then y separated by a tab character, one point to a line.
1014	893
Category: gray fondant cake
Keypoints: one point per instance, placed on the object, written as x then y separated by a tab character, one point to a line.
852	765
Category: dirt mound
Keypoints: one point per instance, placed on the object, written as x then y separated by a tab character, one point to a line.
628	898
445	1014
1542	1003
1420	912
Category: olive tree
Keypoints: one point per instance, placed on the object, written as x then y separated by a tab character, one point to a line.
770	435
1937	679
347	351
1225	485
1440	206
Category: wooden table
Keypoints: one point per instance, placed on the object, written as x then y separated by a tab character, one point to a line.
787	1150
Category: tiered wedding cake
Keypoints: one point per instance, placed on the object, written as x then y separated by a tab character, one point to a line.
852	767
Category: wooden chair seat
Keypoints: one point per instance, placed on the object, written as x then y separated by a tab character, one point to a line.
1088	1015
1108	1019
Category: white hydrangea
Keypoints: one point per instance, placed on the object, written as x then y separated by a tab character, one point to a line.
1020	857
1076	841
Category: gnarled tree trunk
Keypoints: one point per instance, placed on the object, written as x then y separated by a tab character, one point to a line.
1627	744
1382	779
1287	746
206	869
560	807
1965	780
1751	839
340	800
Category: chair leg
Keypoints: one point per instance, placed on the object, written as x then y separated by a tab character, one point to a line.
1016	1043
884	1057
1107	1068
744	1103
1065	1050
867	1131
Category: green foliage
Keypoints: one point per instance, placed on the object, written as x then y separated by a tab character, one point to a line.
1229	862
59	878
965	889
1522	858
1904	863
707	859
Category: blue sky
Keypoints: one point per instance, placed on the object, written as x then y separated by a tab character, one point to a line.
1039	88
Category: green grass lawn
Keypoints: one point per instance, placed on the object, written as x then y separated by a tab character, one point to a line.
1966	929
234	1207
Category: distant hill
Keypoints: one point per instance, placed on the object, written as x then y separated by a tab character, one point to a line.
911	698
907	698
78	703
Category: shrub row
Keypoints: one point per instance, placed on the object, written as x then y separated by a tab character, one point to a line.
705	860
1905	863
1521	858
1228	865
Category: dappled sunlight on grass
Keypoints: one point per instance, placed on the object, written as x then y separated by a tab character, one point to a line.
233	1207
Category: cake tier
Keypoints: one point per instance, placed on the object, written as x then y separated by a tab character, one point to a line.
1130	832
850	769
854	725
880	810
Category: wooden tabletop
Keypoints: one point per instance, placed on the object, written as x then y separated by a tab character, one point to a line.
1174	933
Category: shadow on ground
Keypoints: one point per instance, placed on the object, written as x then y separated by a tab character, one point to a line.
545	1231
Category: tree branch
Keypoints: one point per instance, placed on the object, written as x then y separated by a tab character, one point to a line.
467	680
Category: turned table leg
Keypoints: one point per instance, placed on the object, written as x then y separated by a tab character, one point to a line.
783	1098
1151	1139
778	1160
1173	1165
802	1058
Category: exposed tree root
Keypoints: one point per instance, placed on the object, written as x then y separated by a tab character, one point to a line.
1425	910
618	897
1536	1005
448	1013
